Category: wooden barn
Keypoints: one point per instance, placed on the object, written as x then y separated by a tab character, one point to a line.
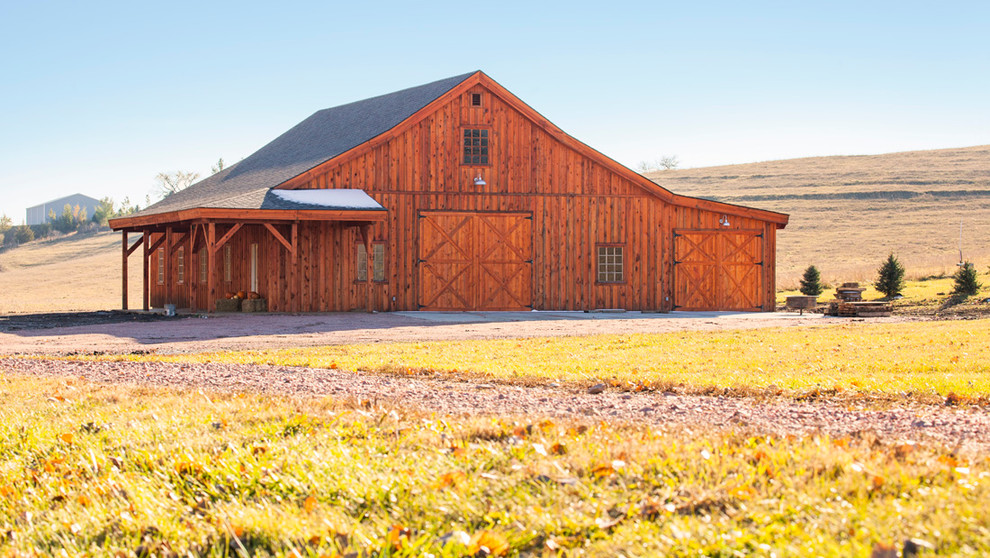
454	195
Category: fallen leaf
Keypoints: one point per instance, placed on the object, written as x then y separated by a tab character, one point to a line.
451	480
558	449
67	438
397	535
604	470
488	543
309	504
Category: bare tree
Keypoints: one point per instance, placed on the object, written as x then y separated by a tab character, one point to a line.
170	183
665	162
668	162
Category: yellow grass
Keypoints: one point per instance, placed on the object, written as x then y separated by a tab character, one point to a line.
72	273
915	360
848	238
103	470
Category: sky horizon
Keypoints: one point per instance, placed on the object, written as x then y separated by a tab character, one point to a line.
101	98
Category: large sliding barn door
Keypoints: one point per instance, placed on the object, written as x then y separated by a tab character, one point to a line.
718	270
475	261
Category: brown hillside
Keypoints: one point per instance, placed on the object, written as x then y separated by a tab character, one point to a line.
71	273
848	212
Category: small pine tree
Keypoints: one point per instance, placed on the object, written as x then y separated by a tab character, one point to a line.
890	277
811	282
966	281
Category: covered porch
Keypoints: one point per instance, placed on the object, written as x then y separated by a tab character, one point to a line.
192	258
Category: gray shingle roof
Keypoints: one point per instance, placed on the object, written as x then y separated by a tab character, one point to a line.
321	137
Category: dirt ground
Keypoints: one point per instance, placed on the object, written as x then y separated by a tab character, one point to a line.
120	332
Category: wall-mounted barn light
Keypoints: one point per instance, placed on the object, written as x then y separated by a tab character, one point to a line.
478	181
723	220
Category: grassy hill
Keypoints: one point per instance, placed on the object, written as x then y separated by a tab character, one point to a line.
849	212
75	272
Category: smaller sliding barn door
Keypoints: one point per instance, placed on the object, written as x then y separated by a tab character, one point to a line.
695	270
446	255
741	256
718	270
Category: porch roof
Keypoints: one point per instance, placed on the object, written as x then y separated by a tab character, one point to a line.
351	205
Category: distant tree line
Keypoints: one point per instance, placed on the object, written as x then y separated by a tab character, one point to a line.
72	219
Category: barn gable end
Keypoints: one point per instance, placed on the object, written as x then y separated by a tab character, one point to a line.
539	221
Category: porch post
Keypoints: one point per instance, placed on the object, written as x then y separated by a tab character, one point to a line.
147	269
370	261
211	271
123	281
168	266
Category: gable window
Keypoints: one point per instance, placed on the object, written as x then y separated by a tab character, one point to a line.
377	262
180	265
475	99
161	266
610	263
475	146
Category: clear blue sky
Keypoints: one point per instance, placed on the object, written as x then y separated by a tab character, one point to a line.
98	97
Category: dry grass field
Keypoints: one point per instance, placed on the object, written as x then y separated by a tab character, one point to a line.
71	273
849	212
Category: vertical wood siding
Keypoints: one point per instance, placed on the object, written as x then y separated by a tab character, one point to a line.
576	204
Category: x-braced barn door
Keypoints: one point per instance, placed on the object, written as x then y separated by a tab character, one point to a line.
475	261
718	269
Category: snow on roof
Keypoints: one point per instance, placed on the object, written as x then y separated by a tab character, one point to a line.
329	198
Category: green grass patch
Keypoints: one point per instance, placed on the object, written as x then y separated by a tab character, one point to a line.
920	360
106	470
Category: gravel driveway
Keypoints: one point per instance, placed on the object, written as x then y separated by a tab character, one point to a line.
219	332
962	429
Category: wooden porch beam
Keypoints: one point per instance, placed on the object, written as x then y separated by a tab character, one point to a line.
177	241
157	243
223	239
290	246
137	243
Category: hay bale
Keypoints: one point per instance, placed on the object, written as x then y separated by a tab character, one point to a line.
229	305
255	305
